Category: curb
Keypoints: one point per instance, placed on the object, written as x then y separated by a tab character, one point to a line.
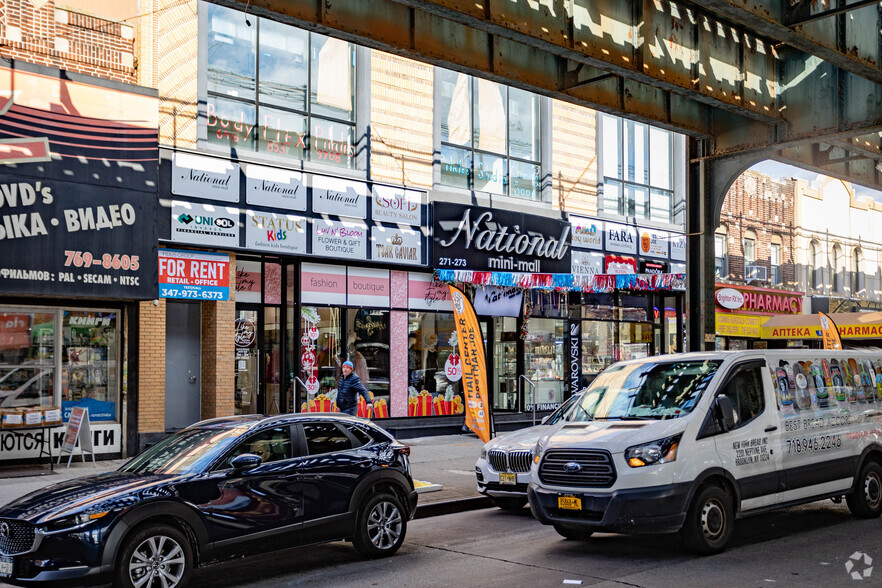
446	507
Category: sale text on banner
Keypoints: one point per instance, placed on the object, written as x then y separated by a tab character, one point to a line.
196	275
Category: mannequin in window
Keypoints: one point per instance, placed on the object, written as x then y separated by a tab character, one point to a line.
358	361
430	363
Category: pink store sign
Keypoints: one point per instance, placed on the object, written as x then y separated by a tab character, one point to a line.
368	287
424	293
323	284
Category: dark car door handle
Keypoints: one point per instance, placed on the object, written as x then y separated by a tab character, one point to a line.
771	428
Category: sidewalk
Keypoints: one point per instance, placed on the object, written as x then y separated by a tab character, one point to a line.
448	461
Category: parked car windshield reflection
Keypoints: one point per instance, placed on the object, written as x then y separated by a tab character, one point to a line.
649	390
187	452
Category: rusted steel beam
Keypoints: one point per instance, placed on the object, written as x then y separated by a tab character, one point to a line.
626	64
765	18
795	21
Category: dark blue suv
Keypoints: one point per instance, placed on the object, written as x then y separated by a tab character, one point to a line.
219	489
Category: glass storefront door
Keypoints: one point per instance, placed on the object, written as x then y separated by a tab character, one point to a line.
505	363
247	373
272	357
544	355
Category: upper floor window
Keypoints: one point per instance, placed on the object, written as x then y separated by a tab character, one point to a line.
857	274
749	248
721	254
490	136
273	88
637	169
775	273
838	269
816	266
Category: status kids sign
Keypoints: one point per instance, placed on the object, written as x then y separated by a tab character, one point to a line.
196	275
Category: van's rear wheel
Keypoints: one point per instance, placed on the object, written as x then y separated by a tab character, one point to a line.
710	521
866	500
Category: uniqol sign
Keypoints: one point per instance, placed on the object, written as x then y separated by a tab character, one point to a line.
70	239
204	224
471	237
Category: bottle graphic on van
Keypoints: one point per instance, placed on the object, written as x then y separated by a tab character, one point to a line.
857	386
820	384
838	382
803	396
783	388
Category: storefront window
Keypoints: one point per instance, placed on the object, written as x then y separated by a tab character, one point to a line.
598	306
320	357
634	340
549	304
89	362
367	347
433	364
27	359
544	354
247	363
598	346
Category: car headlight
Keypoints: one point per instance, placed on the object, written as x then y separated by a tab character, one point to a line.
484	452
661	451
71	522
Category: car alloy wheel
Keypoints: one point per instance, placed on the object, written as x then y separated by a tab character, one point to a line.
384	525
158	560
380	526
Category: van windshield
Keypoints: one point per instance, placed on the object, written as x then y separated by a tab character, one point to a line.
652	390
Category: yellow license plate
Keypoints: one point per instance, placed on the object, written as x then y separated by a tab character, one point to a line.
509	479
569	502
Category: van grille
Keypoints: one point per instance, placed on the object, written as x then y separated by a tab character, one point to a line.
592	469
512	461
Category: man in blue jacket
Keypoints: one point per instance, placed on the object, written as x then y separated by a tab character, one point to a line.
348	389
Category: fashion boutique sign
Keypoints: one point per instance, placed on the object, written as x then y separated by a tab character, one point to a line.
487	239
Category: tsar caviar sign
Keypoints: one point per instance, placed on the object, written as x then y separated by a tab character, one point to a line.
471	237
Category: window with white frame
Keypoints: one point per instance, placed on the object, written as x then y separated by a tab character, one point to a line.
490	136
857	274
838	269
721	254
279	90
637	169
748	246
775	274
816	266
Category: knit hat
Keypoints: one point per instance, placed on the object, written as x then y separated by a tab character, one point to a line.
348	363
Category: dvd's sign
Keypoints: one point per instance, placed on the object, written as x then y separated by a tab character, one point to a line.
487	239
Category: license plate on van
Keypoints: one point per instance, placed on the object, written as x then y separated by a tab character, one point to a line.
5	567
508	479
569	502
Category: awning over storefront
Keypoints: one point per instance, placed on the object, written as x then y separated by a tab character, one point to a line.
851	325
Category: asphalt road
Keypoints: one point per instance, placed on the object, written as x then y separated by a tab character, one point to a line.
805	546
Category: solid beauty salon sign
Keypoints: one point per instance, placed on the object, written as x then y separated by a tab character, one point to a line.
484	239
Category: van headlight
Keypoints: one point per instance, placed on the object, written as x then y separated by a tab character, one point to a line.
661	451
537	452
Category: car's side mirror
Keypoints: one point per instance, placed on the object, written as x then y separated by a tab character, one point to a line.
726	412
245	461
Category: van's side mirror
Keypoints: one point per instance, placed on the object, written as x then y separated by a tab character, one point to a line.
726	412
246	461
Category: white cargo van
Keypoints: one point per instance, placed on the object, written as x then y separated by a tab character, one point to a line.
692	441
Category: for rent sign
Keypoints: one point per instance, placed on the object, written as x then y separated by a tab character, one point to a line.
197	275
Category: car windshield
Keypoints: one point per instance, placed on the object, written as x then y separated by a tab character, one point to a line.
187	452
650	390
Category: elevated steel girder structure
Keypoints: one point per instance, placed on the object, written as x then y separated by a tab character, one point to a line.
793	80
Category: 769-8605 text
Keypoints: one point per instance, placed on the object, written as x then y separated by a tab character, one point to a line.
105	260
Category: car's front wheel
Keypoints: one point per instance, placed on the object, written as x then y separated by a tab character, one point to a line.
155	556
381	526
